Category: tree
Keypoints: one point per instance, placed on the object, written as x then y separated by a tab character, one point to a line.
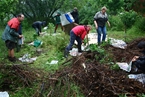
7	7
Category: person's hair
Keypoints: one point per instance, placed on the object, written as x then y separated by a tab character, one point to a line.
86	27
141	45
75	8
89	26
19	15
104	8
44	23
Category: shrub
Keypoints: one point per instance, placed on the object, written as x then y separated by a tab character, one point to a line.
140	23
116	23
128	18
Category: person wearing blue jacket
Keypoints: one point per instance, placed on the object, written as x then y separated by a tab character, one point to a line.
37	26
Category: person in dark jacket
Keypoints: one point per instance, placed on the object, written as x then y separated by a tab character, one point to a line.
37	26
139	62
100	20
141	45
78	33
75	15
11	35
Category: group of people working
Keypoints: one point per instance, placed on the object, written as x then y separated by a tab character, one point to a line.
13	32
78	33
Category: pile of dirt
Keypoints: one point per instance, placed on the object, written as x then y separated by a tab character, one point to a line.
98	80
125	55
17	75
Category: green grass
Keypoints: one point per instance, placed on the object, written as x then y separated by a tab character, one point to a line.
130	35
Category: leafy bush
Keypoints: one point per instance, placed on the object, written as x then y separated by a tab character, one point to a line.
140	23
116	23
128	18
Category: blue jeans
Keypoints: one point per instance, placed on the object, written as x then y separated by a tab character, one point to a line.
99	31
74	37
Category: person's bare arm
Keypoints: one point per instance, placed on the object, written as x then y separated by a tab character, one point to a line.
96	25
108	23
135	58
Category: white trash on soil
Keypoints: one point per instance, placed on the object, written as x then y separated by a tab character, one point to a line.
118	43
138	77
125	66
74	52
4	94
27	58
54	62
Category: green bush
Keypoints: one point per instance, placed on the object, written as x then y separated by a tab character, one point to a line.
128	18
116	23
140	23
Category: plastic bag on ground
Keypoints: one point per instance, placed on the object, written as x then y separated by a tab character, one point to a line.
4	94
74	52
125	66
27	58
118	43
138	77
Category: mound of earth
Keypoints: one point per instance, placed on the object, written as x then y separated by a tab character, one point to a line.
98	80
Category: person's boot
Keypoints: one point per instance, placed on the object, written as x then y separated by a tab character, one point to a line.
12	59
66	53
79	49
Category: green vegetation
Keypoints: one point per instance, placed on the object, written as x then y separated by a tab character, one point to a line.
125	25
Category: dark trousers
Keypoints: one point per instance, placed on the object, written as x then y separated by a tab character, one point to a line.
74	37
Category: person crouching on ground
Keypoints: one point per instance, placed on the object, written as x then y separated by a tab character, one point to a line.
139	62
11	35
37	26
78	33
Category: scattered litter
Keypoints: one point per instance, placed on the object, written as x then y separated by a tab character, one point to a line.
54	34
138	77
84	65
45	28
125	66
54	62
36	43
44	33
118	43
4	94
74	52
27	58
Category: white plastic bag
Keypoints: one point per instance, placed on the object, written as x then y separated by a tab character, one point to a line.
4	94
118	43
138	77
66	19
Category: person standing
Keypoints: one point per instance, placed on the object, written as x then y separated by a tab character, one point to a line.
57	21
75	15
100	20
37	26
11	35
78	33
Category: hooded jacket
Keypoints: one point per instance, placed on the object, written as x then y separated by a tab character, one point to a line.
11	30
